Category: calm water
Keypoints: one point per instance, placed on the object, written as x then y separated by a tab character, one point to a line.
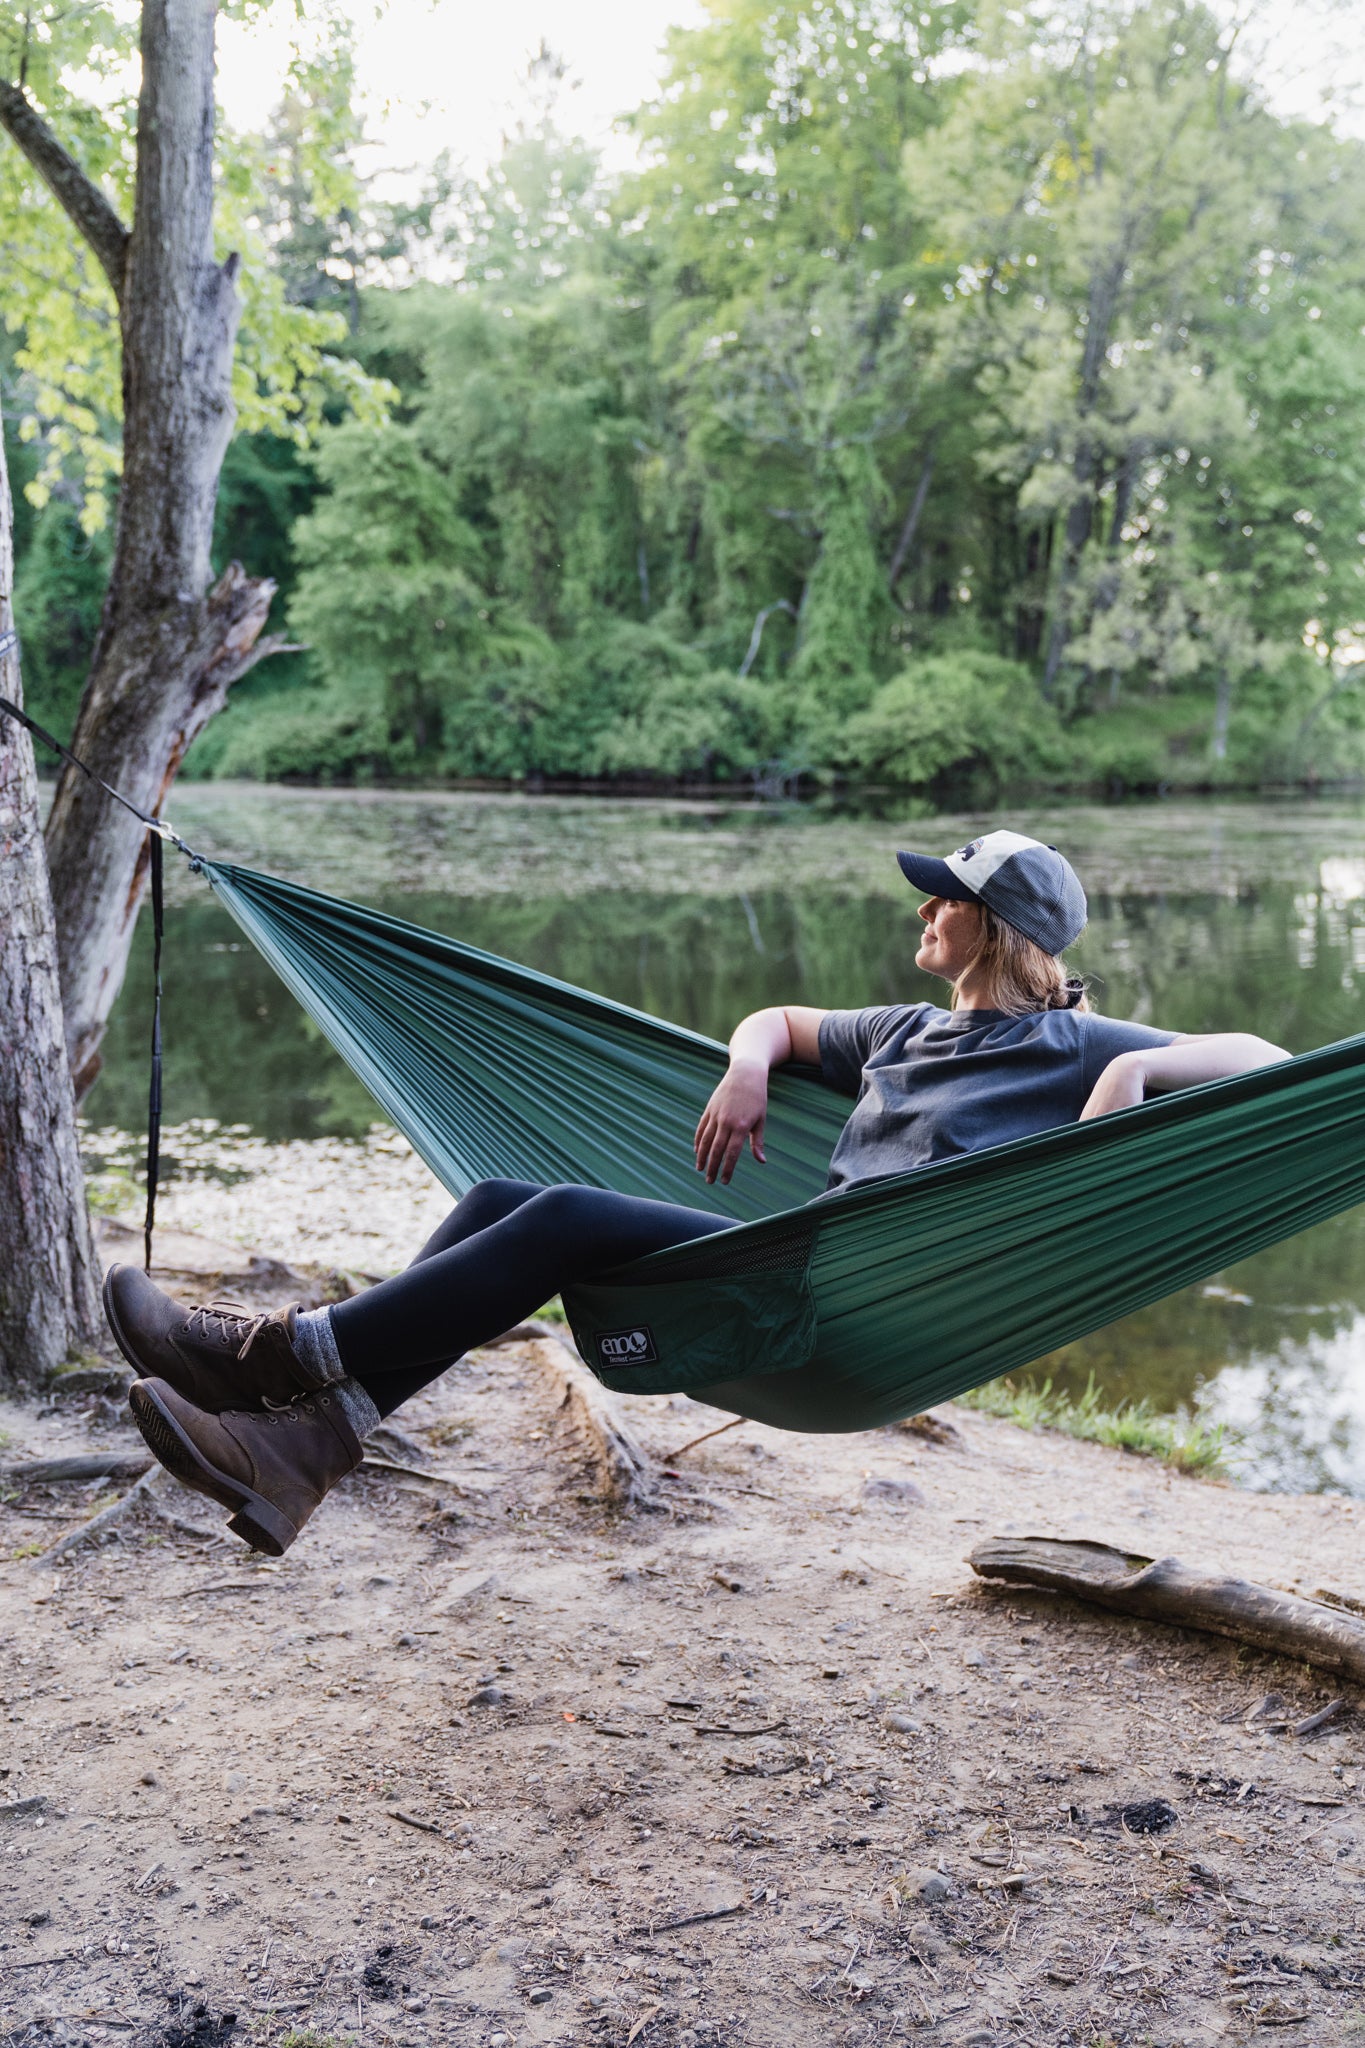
1204	917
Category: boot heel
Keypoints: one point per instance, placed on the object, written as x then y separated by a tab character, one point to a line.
263	1526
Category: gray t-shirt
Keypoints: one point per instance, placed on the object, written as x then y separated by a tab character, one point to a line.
935	1083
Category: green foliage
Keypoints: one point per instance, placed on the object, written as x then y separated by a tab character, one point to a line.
58	591
57	302
1181	1440
954	716
957	397
331	735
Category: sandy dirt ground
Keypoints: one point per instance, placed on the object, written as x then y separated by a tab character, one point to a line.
480	1762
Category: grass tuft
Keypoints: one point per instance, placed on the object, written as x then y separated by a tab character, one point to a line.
1185	1441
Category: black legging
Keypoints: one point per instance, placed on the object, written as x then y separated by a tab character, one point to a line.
501	1253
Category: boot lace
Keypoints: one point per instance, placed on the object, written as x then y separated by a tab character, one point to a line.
226	1313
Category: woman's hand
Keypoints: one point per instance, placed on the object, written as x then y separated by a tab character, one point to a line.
738	1109
735	1115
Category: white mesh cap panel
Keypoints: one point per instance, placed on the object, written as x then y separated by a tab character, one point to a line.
976	862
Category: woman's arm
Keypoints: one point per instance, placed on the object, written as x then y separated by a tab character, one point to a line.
1211	1056
738	1109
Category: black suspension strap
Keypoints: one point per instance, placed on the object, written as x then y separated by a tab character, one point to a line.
154	1092
160	831
157	825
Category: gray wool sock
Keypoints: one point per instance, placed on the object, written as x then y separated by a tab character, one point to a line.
316	1346
356	1405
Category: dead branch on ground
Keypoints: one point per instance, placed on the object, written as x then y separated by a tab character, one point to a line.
1166	1590
91	1465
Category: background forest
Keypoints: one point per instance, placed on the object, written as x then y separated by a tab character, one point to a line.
949	398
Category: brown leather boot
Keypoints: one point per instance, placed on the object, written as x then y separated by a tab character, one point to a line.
271	1469
220	1355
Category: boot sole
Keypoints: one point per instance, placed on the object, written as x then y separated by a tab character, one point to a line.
254	1519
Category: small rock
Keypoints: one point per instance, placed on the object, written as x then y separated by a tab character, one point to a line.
377	1580
489	1696
405	1642
900	1724
930	1887
147	1778
975	1660
38	1919
903	1491
234	1781
541	1995
463	1959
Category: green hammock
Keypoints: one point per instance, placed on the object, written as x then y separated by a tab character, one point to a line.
829	1315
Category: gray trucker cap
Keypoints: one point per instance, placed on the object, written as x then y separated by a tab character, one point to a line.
1029	885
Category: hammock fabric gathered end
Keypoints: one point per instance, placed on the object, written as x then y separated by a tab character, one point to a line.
820	1315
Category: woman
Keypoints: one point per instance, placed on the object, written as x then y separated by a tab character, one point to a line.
265	1413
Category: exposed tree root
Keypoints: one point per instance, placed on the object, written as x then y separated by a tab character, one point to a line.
108	1518
626	1473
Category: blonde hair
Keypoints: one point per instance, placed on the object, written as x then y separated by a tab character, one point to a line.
1014	974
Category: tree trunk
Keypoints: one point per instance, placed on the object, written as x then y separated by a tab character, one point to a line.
1102	305
1222	712
912	518
49	1302
168	647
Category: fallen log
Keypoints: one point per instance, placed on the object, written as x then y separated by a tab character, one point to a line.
76	1470
1164	1589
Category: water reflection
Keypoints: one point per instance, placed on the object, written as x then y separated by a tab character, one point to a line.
1226	917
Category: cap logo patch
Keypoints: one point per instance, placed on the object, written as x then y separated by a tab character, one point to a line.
964	853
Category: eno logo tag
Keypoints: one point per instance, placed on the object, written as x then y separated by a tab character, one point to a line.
628	1347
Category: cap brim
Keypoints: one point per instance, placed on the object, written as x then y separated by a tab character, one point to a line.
935	877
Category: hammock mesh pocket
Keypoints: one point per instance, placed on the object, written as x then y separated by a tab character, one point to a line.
716	1311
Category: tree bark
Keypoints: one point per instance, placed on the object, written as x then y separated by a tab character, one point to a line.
168	647
912	518
1102	306
49	1301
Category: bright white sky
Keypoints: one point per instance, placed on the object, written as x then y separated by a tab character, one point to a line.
445	74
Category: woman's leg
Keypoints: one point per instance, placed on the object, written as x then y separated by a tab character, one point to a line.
488	1201
397	1337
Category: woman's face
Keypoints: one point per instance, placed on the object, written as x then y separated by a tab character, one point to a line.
952	937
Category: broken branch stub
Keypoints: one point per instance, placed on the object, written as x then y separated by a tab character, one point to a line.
1164	1589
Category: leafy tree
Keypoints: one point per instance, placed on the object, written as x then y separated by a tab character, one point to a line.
1143	217
955	393
134	326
